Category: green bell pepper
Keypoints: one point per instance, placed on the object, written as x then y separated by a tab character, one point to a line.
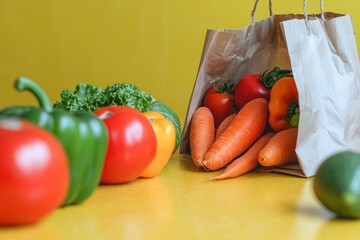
82	134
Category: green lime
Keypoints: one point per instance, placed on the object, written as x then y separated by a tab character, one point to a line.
337	184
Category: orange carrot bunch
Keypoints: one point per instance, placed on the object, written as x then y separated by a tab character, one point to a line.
240	143
245	128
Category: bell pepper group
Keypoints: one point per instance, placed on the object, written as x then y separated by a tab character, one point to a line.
67	154
140	144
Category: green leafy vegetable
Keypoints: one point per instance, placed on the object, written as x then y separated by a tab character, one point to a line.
128	95
87	97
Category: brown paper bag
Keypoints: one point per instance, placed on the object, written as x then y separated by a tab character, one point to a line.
230	54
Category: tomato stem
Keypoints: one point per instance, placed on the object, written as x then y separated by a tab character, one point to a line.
226	88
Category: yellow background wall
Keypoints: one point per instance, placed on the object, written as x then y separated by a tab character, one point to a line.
155	44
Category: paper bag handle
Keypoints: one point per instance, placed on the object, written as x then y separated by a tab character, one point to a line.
271	12
254	10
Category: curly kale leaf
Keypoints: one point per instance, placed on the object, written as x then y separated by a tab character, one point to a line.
87	97
125	94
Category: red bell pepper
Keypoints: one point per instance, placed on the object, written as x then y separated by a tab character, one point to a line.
34	172
132	144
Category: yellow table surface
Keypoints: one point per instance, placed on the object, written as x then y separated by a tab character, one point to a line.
182	203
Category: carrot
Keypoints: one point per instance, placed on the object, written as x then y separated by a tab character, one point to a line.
280	149
202	134
246	162
223	125
246	127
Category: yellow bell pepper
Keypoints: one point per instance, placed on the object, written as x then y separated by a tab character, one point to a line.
165	133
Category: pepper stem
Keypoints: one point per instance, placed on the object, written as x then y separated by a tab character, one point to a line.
293	113
23	84
269	78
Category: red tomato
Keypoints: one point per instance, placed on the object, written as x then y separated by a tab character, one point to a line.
132	144
34	172
248	88
220	103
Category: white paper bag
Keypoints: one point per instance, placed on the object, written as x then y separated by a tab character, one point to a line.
325	65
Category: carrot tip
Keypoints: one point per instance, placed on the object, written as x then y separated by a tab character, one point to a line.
204	165
219	177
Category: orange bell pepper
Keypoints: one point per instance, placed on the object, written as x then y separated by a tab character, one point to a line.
284	105
165	133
